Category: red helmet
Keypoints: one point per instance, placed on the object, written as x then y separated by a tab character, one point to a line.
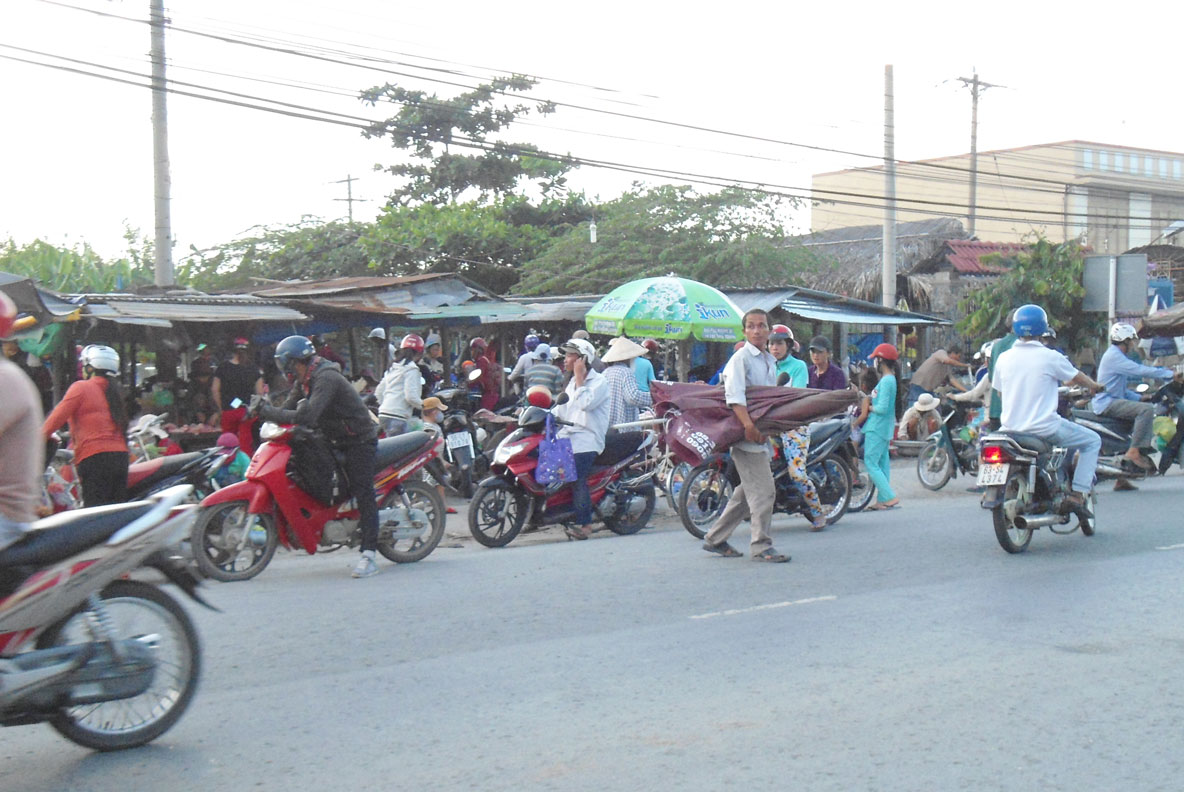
651	345
411	341
478	343
539	396
7	314
468	365
780	332
885	351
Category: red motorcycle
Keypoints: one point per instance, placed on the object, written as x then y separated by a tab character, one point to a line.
239	527
510	501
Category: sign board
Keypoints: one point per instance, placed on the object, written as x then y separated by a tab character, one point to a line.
1131	283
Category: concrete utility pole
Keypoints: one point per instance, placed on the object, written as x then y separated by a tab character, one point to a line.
976	87
889	251
160	150
349	193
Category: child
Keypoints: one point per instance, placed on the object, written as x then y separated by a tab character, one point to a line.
236	468
432	411
867	384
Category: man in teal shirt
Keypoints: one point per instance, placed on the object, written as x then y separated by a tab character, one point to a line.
643	369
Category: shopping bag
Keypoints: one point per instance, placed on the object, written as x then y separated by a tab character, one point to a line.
557	460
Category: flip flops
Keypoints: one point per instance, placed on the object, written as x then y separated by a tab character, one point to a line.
882	507
770	555
724	549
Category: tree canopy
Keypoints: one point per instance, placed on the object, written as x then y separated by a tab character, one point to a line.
80	270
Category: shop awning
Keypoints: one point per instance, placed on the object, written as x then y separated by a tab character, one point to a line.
857	312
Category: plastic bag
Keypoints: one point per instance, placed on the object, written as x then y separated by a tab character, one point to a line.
557	460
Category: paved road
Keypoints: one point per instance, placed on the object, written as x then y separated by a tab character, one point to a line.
902	650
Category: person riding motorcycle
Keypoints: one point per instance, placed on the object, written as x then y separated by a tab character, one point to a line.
1116	401
587	411
400	393
21	448
1027	376
323	398
795	444
489	381
525	360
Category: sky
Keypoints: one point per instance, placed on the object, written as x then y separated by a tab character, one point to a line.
77	151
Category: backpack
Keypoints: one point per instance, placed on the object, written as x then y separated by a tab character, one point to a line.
315	468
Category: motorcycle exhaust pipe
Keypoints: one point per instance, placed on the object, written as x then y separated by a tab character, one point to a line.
1107	471
1024	523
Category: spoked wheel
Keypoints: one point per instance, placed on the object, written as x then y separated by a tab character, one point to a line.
705	493
641	507
230	544
1015	495
139	612
862	488
935	465
674	481
1088	523
833	482
496	513
424	527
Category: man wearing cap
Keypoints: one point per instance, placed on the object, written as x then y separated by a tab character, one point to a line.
824	375
749	366
586	410
382	349
920	420
237	379
624	397
543	371
937	370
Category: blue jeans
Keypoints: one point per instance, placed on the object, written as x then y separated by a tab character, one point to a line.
915	392
581	497
1079	438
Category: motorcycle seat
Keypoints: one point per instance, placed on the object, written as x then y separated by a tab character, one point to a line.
618	446
1030	441
1119	425
62	535
392	449
820	430
144	474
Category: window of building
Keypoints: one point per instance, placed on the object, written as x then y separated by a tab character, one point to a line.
1148	170
1176	174
1103	161
1163	168
1119	165
1087	160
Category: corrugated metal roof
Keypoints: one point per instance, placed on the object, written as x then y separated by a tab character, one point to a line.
195	311
965	256
849	312
320	288
109	314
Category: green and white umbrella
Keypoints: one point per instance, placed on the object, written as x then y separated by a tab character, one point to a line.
666	307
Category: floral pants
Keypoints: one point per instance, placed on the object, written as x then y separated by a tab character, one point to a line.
797	448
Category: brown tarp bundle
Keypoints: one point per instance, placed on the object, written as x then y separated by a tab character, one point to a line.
1168	322
705	423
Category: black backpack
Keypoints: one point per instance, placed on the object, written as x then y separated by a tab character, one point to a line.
316	469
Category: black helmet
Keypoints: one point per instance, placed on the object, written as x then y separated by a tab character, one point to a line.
290	350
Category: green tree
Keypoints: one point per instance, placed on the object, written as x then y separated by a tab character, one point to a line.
1047	274
431	129
80	270
729	238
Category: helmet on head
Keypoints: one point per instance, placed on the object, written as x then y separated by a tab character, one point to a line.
580	347
412	341
1029	321
377	333
781	332
7	314
101	358
542	352
530	342
291	349
431	340
885	351
539	396
241	343
227	442
1121	331
985	350
478	343
1050	333
651	345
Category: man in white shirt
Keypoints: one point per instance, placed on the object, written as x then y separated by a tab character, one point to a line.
753	498
587	409
1027	376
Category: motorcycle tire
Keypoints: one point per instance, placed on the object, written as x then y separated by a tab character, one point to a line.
464	483
624	527
1015	491
705	493
213	543
675	479
935	465
1089	526
833	482
422	496
497	513
862	488
132	605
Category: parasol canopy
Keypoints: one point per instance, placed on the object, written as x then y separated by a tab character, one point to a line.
666	307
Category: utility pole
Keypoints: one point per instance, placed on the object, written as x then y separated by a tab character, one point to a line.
976	87
160	150
349	193
889	251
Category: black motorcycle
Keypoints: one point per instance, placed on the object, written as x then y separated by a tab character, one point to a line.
462	447
949	451
1116	433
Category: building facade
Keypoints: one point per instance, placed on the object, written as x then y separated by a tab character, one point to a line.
1114	198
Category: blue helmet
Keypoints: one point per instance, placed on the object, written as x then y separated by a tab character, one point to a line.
530	342
1030	321
290	350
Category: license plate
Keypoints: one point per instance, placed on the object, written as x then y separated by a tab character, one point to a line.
992	475
459	440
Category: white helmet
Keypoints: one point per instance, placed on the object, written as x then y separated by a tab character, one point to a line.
984	351
1121	331
378	333
101	358
582	348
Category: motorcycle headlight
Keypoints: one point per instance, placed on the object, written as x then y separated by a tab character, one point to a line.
506	451
271	431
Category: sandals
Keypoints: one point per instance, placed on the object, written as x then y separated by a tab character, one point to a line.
724	549
818	524
770	555
576	532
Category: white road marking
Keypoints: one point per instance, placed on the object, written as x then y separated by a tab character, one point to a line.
1171	547
767	606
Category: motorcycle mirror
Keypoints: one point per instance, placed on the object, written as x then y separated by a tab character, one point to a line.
1142	387
474	375
783	378
507	370
563	399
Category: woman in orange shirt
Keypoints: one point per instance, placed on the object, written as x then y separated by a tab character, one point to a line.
97	412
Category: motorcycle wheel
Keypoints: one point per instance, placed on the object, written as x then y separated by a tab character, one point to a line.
215	537
862	488
935	465
1089	526
497	513
464	484
141	611
705	493
675	479
624	527
422	496
833	483
1015	492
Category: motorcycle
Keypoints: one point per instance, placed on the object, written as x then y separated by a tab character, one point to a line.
462	440
510	501
239	527
708	487
110	663
1026	480
1116	433
949	451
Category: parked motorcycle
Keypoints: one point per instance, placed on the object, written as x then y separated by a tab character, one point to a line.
708	487
108	662
510	501
950	451
462	439
239	527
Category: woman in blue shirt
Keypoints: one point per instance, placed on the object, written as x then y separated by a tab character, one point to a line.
877	430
